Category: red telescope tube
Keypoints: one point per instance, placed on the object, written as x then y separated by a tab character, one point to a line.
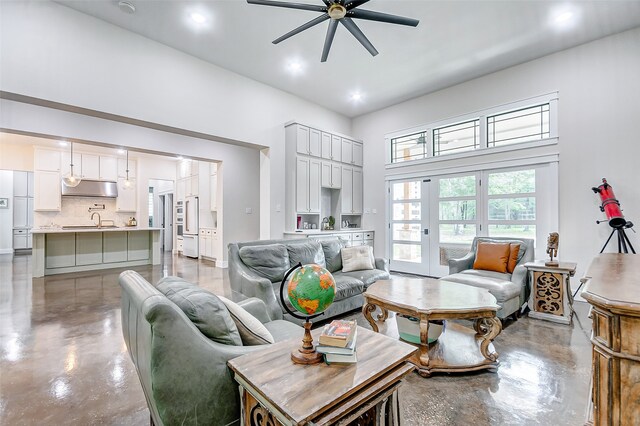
610	205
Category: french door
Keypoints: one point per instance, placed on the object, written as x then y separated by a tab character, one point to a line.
409	236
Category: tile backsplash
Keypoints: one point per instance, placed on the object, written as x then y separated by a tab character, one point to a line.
75	211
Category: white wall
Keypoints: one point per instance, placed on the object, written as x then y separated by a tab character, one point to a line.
55	53
6	215
599	106
15	156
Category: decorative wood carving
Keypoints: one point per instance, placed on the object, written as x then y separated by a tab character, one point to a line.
548	293
551	297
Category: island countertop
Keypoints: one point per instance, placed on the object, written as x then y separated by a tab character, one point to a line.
60	230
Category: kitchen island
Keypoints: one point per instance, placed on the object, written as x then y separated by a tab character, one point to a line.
350	236
75	249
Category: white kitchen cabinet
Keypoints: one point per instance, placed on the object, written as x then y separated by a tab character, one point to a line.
137	245
47	187
20	239
213	192
60	250
192	188
347	151
20	184
347	190
357	153
302	184
325	145
65	167
314	142
108	168
209	243
47	160
302	140
314	186
122	168
88	248
184	169
90	166
326	175
331	175
20	212
357	191
114	247
127	198
30	210
181	189
336	148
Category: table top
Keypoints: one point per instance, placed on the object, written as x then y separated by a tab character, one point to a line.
562	266
429	295
302	392
614	282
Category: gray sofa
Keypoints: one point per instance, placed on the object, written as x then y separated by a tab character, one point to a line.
256	269
183	372
510	290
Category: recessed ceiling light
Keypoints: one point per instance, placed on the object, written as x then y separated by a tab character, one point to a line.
356	96
121	151
198	18
564	17
62	143
295	66
127	7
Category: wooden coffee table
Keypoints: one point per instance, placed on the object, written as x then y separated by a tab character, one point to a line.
274	391
459	348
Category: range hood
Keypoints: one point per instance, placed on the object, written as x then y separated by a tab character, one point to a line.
91	188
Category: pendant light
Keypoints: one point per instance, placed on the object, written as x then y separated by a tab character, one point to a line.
71	179
127	184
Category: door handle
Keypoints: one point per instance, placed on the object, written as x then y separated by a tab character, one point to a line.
425	231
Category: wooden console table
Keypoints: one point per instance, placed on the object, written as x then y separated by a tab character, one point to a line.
551	297
613	290
275	391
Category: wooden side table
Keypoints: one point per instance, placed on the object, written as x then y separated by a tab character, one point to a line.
551	297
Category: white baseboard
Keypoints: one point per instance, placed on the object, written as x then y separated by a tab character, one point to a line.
6	251
222	264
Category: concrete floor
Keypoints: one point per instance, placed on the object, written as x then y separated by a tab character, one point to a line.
63	359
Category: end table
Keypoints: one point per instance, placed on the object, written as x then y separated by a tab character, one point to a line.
551	297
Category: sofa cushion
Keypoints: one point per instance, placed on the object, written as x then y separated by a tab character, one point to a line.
270	260
332	255
204	309
521	252
491	274
283	330
492	256
251	330
306	253
346	286
514	250
501	289
357	258
368	277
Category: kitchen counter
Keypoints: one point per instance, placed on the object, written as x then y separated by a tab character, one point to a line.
319	232
60	230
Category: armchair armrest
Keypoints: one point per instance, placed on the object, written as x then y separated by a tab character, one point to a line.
382	264
458	265
520	276
257	308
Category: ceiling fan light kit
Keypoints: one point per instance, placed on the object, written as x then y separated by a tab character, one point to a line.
338	11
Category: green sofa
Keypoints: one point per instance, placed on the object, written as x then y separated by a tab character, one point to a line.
256	269
183	372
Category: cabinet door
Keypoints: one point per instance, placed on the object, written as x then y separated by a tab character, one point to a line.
20	184
88	248
47	160
314	142
326	145
20	242
138	245
211	247
20	212
302	185
30	212
347	151
336	148
357	191
195	181
127	198
357	154
314	185
202	242
181	189
302	140
108	168
65	168
326	175
122	168
30	190
60	250
213	197
347	190
114	247
90	166
47	191
336	176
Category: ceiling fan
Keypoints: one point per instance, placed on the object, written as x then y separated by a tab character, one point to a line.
338	11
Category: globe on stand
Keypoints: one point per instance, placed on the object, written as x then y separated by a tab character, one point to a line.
310	290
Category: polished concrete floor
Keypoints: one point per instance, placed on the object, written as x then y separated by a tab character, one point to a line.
63	359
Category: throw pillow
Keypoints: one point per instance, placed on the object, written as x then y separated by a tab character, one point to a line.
306	253
357	258
332	255
492	257
270	260
251	330
205	310
514	249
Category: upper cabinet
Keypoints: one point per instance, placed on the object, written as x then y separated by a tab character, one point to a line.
308	141
66	163
90	166
22	184
108	168
122	168
357	154
47	187
351	152
47	160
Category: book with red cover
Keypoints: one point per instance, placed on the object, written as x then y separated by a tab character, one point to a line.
339	333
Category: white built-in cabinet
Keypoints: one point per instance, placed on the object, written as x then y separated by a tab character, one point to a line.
188	181
213	188
209	243
352	152
46	160
331	175
308	141
122	168
108	168
308	185
47	187
127	201
351	190
90	166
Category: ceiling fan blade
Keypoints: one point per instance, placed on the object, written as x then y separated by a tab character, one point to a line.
301	28
352	4
302	6
331	32
327	2
359	35
382	17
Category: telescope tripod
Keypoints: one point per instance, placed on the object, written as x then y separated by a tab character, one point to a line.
623	240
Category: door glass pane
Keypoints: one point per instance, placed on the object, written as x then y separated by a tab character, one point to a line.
407	252
406	190
406	231
458	210
459	233
512	208
516	182
463	186
514	231
406	211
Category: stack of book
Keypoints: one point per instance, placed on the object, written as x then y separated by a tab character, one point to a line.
338	342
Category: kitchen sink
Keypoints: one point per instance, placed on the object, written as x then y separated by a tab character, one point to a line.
89	227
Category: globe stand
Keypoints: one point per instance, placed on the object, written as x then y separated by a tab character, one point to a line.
306	354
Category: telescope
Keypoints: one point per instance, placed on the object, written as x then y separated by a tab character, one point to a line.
610	206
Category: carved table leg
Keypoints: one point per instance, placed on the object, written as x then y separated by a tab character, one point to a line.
424	348
367	310
383	315
488	329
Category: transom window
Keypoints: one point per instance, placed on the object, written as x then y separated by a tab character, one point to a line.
410	147
523	125
456	138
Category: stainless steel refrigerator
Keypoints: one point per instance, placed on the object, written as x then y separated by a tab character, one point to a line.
191	227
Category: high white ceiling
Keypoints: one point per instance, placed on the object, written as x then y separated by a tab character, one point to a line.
454	42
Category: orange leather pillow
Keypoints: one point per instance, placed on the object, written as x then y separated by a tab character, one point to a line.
513	257
492	256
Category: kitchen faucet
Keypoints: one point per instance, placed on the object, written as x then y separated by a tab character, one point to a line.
99	224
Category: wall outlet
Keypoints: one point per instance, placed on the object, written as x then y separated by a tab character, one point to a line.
374	211
248	210
278	207
367	211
